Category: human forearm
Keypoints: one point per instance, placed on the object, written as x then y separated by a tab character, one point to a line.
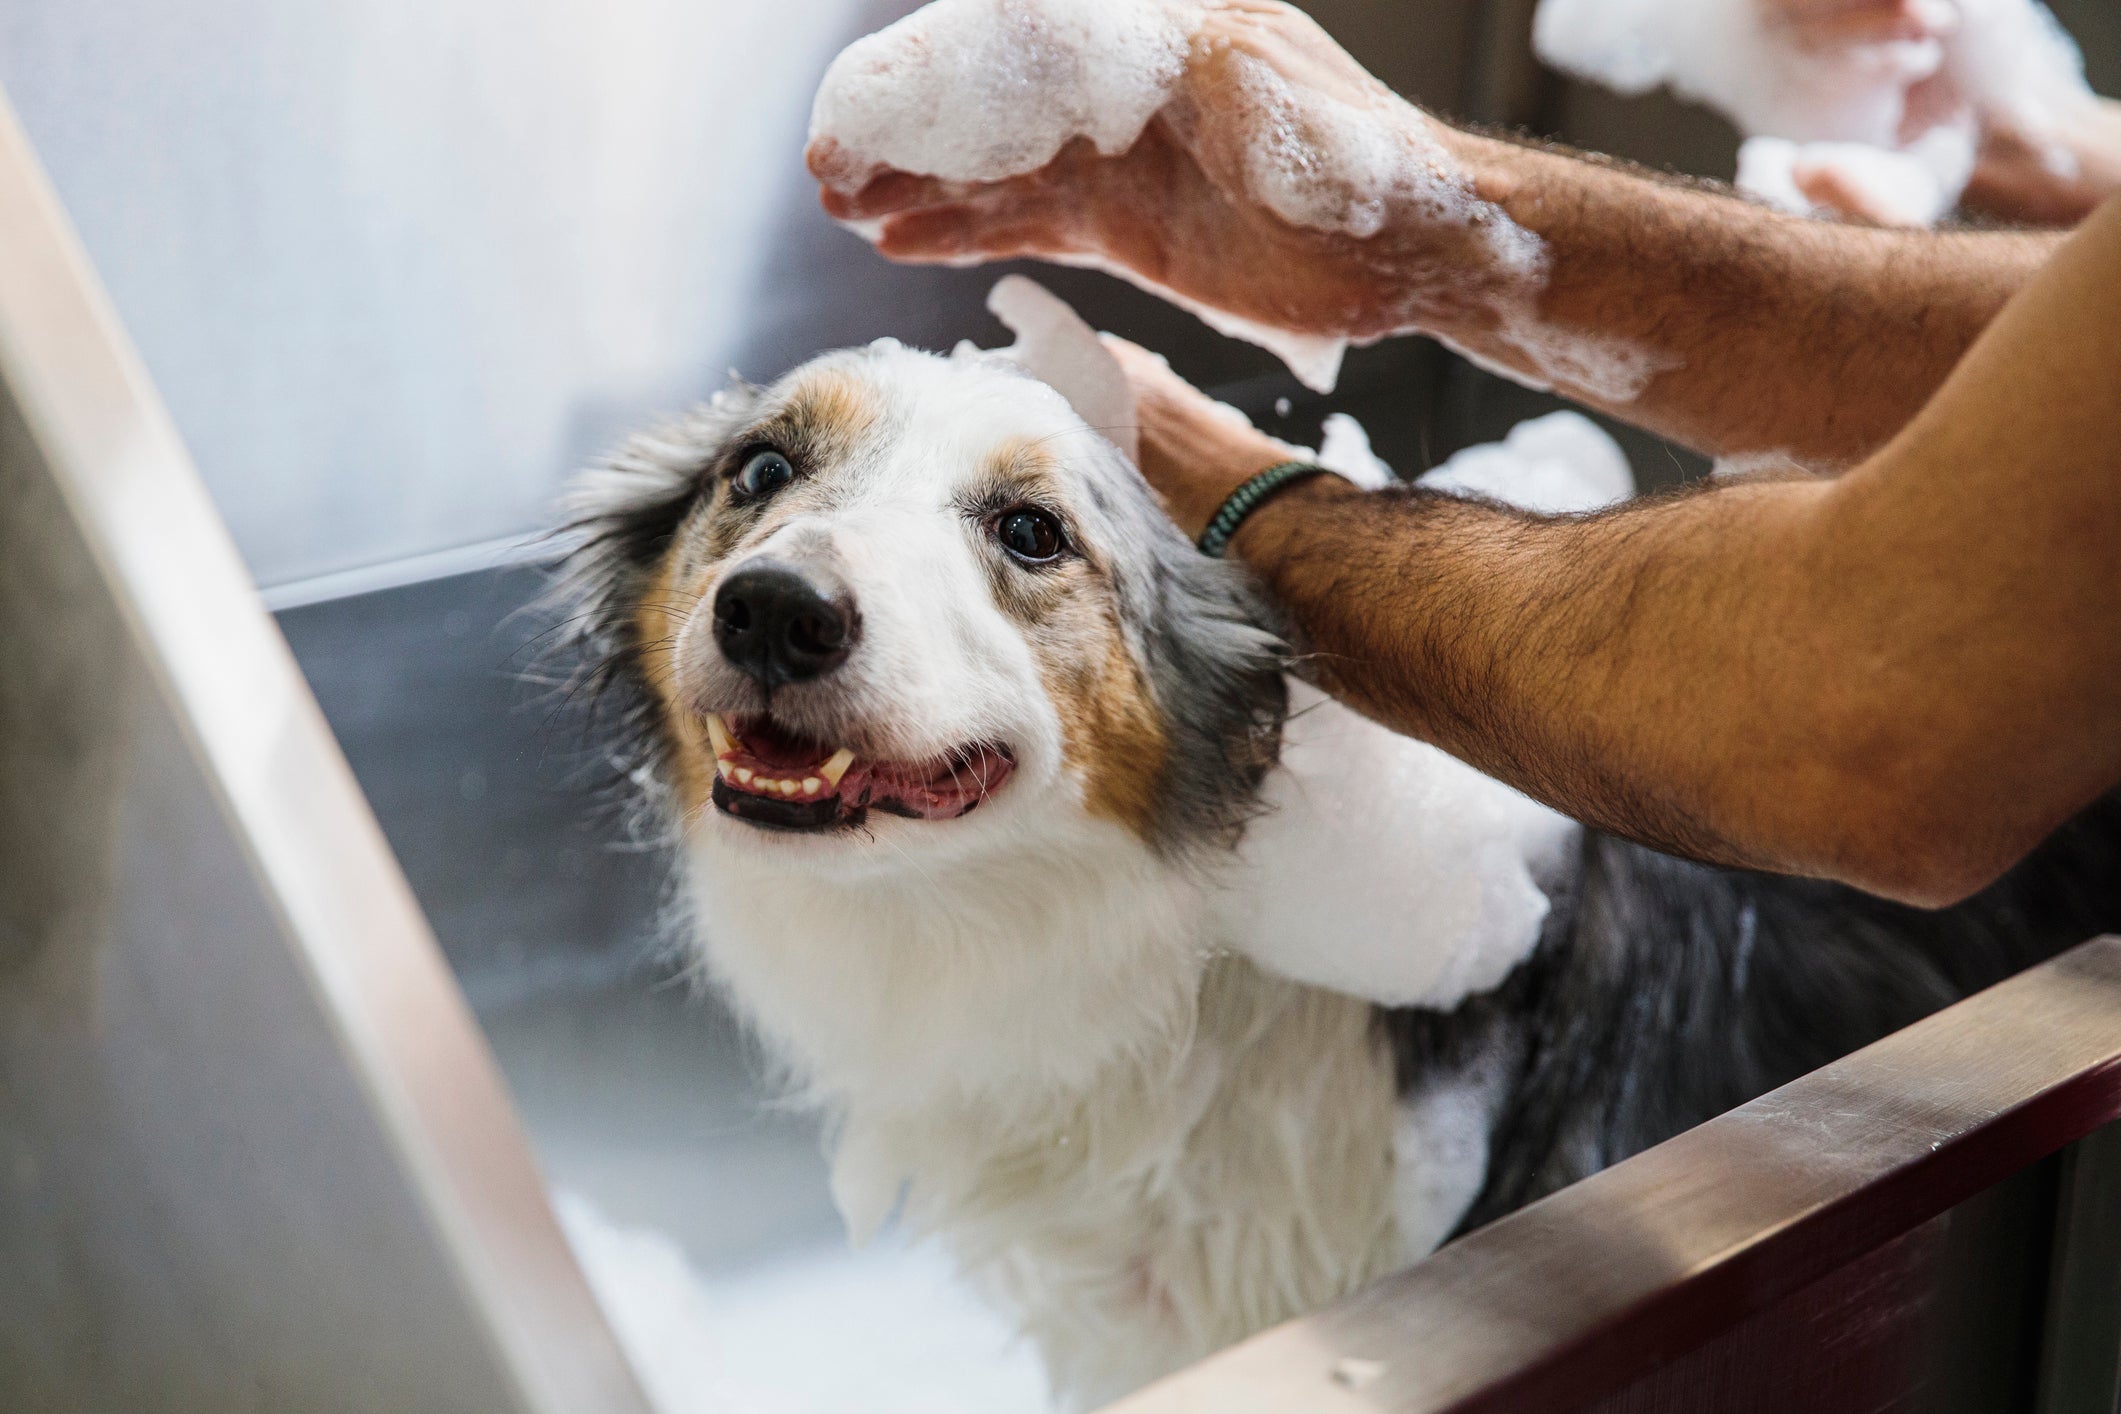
1767	333
1903	678
1735	676
1595	663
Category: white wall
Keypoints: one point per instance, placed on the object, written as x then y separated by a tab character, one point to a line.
398	265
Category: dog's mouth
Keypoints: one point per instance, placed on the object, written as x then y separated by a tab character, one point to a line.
768	776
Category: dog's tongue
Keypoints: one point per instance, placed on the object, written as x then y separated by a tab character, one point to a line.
757	757
935	790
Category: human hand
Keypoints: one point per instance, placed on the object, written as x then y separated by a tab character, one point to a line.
1279	183
2043	151
1830	25
1194	450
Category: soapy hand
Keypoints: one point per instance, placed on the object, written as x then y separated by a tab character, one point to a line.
1274	183
2046	150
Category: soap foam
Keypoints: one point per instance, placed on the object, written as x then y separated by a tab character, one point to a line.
1912	187
1313	358
1383	867
2005	58
979	90
1317	161
1344	448
905	1334
1599	366
1559	464
1055	345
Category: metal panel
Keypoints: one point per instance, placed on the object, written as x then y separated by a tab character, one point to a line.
253	1152
1588	1292
2080	1365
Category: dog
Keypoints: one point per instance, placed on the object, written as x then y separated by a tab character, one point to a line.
968	757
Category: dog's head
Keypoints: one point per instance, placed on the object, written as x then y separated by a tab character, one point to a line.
897	605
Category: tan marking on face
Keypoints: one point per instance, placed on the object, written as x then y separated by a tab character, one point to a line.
817	426
1110	726
658	619
1111	730
822	421
824	418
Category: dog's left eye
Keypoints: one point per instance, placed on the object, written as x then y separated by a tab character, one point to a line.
1032	536
766	473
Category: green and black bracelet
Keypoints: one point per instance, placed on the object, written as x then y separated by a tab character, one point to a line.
1246	499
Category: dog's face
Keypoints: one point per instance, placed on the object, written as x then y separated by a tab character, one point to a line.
898	605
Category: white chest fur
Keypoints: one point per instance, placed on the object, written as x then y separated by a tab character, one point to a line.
1142	1147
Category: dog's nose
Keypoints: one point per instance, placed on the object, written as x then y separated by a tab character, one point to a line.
779	626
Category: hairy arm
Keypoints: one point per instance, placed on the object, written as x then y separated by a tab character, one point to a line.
1770	332
1724	325
1903	678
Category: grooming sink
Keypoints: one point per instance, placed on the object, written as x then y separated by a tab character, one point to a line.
345	1063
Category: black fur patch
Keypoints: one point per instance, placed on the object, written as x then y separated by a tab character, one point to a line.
1666	992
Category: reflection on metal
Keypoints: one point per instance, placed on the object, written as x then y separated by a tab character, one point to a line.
2080	1358
253	1152
1819	1197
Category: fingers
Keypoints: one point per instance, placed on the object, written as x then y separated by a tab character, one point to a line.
1824	184
1841	24
969	234
1129	353
1158	390
930	220
886	194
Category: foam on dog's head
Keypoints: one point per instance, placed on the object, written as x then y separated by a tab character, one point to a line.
1055	346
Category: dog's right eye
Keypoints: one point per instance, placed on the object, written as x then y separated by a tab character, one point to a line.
766	473
1031	535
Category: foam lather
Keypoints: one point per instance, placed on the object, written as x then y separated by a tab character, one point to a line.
1054	345
978	91
1842	109
1383	867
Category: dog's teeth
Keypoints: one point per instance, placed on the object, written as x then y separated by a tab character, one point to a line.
835	768
811	785
743	775
718	735
789	787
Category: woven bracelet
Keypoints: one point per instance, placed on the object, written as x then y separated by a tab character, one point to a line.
1246	499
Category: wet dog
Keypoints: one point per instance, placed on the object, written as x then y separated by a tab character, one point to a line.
966	753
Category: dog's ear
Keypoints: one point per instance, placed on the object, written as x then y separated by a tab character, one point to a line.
1217	672
1055	346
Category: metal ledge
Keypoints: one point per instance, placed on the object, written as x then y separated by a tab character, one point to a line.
254	1153
1582	1295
